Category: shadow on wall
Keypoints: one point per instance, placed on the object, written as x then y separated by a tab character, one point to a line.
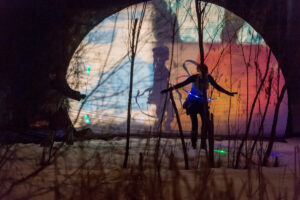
160	82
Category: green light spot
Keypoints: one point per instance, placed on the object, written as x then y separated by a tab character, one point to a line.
88	69
220	151
87	120
209	83
218	97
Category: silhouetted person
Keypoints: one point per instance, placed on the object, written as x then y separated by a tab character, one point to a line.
196	102
56	107
161	75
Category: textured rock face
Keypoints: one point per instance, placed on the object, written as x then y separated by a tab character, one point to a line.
41	36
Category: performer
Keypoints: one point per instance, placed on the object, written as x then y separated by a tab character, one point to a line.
56	108
196	102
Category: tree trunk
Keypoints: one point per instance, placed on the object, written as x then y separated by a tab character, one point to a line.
180	132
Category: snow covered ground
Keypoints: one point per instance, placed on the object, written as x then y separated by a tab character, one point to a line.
94	168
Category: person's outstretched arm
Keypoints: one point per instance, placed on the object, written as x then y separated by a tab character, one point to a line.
64	88
179	85
218	87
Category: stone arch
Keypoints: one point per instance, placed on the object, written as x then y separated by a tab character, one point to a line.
222	12
51	31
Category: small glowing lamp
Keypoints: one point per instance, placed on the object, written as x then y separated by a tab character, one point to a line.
87	120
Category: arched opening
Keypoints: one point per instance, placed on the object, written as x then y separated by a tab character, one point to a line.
236	55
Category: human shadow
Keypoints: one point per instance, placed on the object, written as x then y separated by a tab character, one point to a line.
160	82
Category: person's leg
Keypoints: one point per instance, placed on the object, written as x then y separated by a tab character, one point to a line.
69	135
48	141
68	126
62	121
194	129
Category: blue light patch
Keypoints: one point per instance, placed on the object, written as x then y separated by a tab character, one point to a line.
273	154
87	120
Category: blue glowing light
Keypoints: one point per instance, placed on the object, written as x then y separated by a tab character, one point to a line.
273	154
87	120
196	96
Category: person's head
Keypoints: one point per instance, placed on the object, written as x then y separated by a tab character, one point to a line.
202	68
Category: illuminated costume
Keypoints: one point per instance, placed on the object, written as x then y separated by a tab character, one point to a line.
196	102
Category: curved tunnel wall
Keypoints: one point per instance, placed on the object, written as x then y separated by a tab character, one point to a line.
40	36
227	47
